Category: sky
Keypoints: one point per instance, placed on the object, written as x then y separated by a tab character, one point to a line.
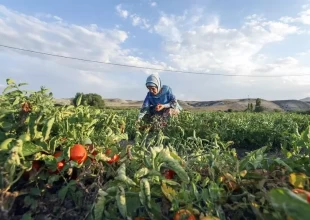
235	37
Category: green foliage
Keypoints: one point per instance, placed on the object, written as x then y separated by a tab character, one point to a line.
207	174
91	99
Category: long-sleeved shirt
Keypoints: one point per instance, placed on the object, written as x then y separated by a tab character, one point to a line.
165	97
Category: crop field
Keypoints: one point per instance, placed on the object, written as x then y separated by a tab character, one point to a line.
78	162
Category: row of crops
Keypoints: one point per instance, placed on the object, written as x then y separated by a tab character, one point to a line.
78	162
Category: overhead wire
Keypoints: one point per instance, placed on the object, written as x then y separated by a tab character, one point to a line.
143	67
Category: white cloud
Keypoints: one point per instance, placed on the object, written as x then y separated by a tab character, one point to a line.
302	17
89	42
153	4
192	41
211	47
136	20
140	22
122	13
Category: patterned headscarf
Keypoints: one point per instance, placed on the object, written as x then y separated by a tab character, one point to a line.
153	80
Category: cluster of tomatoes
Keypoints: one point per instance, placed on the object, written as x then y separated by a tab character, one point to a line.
79	154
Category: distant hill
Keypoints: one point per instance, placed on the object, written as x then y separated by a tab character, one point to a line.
293	105
218	105
307	99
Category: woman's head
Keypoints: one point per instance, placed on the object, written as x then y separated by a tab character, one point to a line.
153	83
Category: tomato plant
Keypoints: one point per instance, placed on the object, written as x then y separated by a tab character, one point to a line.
197	152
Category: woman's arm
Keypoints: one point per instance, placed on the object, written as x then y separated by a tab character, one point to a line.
145	107
172	100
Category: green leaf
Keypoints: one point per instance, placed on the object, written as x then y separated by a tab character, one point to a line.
7	89
16	101
35	192
121	201
100	205
63	192
164	156
254	158
132	203
30	148
53	144
305	135
27	216
145	193
33	126
6	144
47	128
10	81
292	204
171	182
142	172
79	99
6	126
22	84
281	162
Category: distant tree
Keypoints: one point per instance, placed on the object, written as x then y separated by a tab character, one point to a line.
251	107
258	107
91	99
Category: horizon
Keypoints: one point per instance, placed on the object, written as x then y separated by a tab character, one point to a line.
211	37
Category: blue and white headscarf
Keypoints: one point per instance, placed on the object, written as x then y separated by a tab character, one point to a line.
153	80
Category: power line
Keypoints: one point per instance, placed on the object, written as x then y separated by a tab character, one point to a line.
141	67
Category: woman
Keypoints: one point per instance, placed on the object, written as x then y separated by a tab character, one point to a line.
159	100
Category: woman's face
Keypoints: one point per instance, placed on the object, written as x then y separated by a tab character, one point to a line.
153	90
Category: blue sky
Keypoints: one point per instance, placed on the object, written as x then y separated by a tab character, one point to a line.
217	36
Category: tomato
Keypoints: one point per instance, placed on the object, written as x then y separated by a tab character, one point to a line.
184	214
306	193
78	153
60	164
36	165
108	152
115	158
169	174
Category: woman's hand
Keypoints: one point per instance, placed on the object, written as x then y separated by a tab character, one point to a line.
159	107
137	123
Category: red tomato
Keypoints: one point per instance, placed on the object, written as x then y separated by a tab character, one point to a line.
306	193
184	214
169	174
78	153
36	165
115	158
108	152
60	164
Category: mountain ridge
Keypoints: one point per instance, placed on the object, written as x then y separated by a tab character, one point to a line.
214	105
